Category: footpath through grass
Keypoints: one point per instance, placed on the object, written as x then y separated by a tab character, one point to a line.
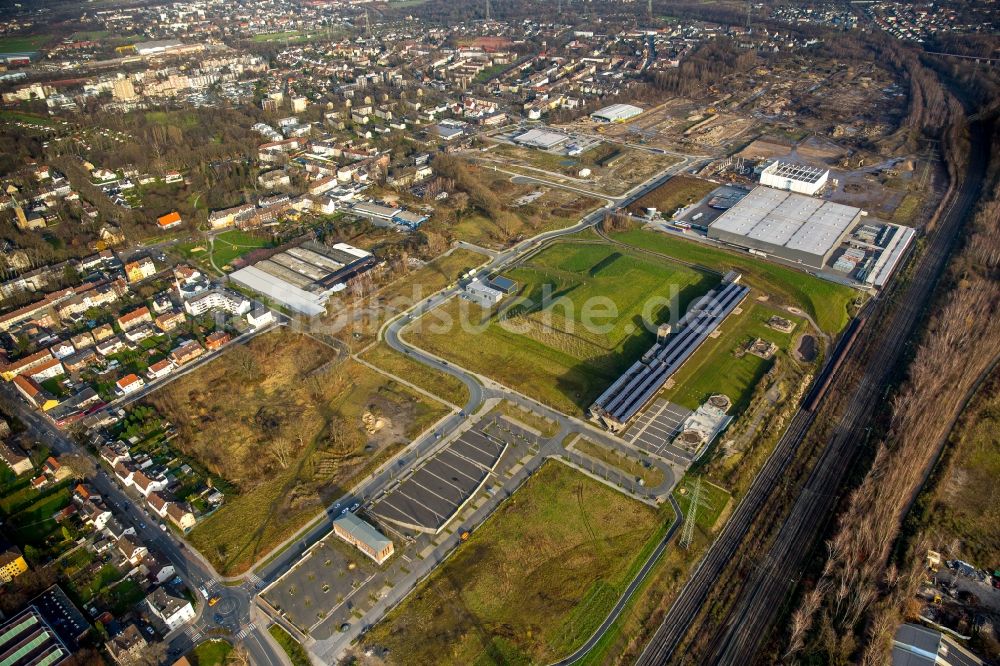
533	582
827	302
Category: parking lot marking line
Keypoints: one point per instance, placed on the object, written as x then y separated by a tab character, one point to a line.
460	471
418	502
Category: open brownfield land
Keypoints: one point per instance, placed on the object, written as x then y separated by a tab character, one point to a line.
356	321
677	192
533	582
281	419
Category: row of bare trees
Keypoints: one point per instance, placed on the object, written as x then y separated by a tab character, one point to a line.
857	598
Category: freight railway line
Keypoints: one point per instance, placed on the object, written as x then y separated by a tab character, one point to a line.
766	592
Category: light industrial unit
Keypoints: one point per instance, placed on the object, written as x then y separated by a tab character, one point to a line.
795	177
791	226
616	113
303	278
541	138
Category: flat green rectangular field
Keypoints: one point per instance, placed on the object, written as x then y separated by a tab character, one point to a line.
827	302
583	312
533	582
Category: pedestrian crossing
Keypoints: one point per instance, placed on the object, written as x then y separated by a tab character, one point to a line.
255	580
193	632
245	631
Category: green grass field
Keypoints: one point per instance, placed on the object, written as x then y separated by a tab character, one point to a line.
210	653
296	653
23	43
31	118
538	342
716	368
825	301
231	245
714	500
444	386
533	582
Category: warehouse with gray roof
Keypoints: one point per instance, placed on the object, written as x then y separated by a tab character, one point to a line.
787	225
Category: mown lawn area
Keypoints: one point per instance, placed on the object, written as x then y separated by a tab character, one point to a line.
280	419
210	653
713	501
825	301
231	245
582	314
718	367
535	421
23	43
444	386
29	118
296	653
533	582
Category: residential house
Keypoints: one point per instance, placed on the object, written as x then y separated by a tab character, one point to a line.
137	271
186	352
82	341
116	530
159	369
139	333
180	516
128	384
103	332
15	458
80	360
127	646
168	321
146	484
53	367
12	562
34	393
158	569
172	611
113	454
125	473
158	503
133	551
110	346
134	318
169	221
23	365
217	340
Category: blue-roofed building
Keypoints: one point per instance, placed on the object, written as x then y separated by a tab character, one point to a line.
506	285
364	537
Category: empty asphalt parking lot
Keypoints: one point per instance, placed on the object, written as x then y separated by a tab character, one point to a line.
429	498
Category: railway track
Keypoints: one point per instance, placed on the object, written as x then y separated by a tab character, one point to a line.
740	635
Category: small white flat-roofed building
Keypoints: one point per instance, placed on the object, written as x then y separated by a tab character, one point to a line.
616	113
544	139
795	177
364	537
483	294
787	225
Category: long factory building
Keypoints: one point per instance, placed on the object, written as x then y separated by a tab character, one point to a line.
637	386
